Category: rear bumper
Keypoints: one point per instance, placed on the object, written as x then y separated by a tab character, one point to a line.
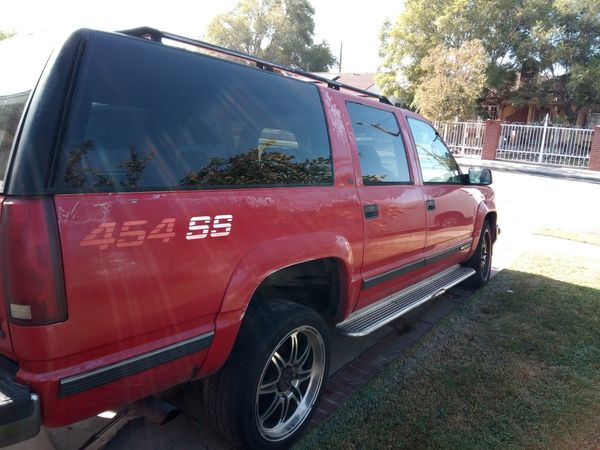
20	416
105	383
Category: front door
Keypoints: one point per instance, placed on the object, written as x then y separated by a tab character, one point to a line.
450	205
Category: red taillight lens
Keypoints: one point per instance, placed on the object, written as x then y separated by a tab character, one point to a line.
32	276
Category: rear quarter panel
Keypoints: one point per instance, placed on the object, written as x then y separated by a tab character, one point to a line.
125	282
5	341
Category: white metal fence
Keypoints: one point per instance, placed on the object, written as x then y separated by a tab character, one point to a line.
463	138
545	144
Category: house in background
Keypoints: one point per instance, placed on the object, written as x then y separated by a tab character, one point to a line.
531	111
493	106
362	80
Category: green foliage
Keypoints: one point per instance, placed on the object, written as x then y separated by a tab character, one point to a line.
451	82
278	30
135	167
563	50
551	47
77	176
516	367
6	34
258	166
425	25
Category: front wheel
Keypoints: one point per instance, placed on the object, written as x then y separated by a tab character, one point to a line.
481	260
268	390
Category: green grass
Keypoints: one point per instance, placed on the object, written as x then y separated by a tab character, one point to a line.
517	366
580	236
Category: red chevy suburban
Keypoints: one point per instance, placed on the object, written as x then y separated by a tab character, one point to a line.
173	211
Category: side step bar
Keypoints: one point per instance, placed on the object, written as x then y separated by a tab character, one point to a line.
364	321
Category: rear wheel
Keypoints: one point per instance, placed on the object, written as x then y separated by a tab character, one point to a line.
481	260
266	393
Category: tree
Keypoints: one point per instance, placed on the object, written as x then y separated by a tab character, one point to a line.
552	46
425	25
278	30
6	34
562	49
260	167
452	81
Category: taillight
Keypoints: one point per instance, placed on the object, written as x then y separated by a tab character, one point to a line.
32	276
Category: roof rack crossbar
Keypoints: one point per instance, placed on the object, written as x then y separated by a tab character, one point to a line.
157	35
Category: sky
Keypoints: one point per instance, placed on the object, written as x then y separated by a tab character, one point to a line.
354	23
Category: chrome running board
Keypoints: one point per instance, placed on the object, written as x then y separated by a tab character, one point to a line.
367	320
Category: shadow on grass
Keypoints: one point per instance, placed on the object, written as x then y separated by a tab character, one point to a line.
517	366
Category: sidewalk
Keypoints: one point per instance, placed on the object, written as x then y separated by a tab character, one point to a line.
568	173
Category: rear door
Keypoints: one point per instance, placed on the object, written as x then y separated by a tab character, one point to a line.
393	206
450	205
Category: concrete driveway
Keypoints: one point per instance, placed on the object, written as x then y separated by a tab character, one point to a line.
525	203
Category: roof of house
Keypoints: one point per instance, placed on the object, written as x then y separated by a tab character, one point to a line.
362	80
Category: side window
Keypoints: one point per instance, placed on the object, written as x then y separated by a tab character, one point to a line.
437	163
169	119
380	146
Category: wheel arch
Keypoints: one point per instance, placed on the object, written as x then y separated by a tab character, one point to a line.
271	258
485	212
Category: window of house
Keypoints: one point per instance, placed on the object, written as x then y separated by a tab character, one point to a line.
380	147
437	163
156	118
492	111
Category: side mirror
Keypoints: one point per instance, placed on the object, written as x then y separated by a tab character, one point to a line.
480	176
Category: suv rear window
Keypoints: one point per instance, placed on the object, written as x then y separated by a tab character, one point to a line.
150	117
22	60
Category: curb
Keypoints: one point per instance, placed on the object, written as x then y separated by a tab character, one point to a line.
565	173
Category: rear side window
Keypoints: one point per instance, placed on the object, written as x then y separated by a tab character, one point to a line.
380	146
149	117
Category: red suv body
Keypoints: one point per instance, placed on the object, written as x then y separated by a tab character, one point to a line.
154	198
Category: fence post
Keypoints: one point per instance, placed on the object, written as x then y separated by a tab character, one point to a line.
594	163
464	137
491	137
544	131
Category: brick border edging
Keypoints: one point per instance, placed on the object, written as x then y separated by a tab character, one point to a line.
407	331
594	162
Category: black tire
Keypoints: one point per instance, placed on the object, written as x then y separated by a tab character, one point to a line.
481	260
263	356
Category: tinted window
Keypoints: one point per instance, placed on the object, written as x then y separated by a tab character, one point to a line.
437	163
380	147
153	117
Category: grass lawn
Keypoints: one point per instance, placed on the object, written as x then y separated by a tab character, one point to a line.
517	366
581	236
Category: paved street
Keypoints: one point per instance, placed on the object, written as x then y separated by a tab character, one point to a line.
525	203
528	203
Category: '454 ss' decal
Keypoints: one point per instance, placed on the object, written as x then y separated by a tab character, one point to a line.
135	232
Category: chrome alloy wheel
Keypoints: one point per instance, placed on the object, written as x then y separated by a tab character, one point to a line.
290	383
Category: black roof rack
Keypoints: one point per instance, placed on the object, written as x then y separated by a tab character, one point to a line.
157	35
